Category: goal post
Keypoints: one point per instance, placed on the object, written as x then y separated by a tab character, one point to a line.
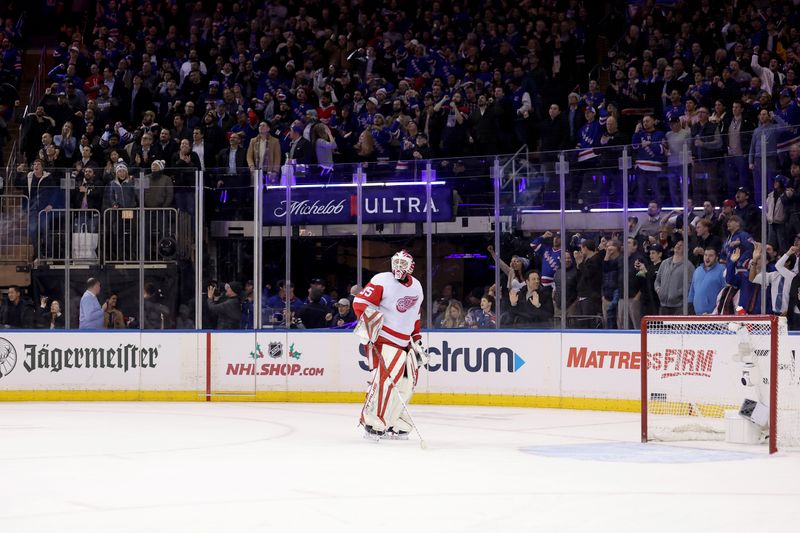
703	375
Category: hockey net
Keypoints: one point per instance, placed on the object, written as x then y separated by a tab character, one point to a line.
699	367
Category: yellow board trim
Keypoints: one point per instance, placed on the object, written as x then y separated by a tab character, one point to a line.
499	400
97	396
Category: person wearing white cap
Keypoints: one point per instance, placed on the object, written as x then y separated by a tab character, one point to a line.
120	228
344	314
366	116
380	97
160	192
120	191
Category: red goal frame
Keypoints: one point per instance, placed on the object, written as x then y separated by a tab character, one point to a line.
773	365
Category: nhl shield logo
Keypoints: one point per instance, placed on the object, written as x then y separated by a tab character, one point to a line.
275	350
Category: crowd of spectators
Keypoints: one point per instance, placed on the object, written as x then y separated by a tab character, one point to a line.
723	276
10	74
233	306
713	79
173	87
365	82
723	273
311	83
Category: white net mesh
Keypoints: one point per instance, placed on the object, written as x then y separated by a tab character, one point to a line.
697	370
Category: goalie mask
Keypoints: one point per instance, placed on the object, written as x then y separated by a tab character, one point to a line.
402	264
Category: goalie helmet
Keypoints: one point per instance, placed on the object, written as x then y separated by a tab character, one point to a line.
402	264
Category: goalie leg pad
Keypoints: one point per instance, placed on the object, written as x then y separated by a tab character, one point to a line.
372	353
398	418
382	394
404	422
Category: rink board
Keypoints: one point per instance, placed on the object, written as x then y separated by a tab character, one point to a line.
581	370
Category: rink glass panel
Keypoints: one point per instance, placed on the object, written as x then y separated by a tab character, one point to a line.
323	240
594	210
463	219
528	203
391	189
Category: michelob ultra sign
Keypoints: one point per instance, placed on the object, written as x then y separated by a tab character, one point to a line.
339	205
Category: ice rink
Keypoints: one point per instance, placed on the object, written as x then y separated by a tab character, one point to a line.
235	467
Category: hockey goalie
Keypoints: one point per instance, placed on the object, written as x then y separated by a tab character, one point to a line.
756	410
388	311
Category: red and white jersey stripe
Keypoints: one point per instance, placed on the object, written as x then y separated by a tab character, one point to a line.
649	165
585	155
400	304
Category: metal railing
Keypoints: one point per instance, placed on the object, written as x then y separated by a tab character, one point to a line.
11	166
90	238
162	235
517	167
14	246
20	25
79	236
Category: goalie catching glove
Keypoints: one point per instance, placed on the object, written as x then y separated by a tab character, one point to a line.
420	353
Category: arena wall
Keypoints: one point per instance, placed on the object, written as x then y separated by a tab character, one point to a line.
576	369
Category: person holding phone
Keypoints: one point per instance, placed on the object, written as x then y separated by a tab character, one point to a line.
49	315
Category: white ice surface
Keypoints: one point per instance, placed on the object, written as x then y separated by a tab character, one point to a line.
247	467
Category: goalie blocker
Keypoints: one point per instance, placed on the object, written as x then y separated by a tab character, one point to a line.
388	309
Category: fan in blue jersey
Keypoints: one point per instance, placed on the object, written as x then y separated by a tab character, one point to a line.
588	139
789	112
593	97
739	239
649	157
548	249
675	107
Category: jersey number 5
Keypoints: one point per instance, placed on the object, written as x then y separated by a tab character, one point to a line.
367	291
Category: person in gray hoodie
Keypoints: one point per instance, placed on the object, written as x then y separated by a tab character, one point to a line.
669	281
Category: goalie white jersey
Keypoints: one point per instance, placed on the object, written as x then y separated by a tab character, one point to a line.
400	304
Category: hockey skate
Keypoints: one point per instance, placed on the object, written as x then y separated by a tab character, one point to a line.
395	434
373	434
